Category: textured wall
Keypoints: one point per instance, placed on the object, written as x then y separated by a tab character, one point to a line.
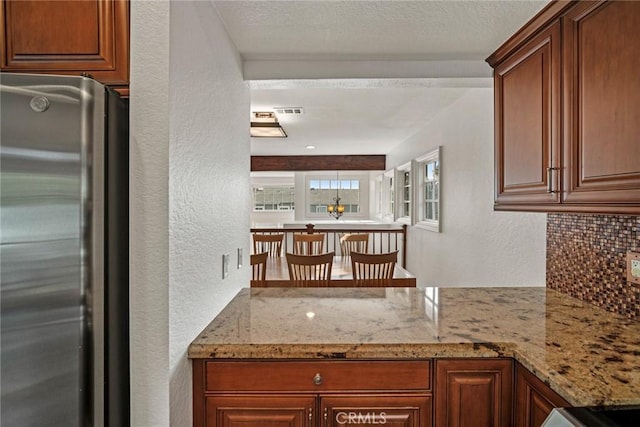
209	184
477	246
149	214
586	258
189	195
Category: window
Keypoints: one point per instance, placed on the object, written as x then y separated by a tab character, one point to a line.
428	182
322	189
385	196
323	192
273	198
404	192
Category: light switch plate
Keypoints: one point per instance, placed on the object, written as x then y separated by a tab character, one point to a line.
239	258
225	265
633	267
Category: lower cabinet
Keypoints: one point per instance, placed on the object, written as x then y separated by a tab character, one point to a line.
473	392
258	411
534	399
312	393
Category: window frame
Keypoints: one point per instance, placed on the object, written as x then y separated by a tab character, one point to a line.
363	199
399	187
288	187
420	190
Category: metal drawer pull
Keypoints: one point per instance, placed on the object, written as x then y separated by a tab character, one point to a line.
550	179
317	380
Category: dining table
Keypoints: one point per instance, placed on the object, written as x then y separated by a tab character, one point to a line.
277	274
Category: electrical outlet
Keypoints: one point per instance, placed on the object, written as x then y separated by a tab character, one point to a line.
239	258
225	265
633	267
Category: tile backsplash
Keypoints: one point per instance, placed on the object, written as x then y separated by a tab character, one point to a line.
586	258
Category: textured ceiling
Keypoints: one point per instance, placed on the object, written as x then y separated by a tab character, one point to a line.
364	116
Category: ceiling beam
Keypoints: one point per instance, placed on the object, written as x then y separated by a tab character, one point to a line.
318	163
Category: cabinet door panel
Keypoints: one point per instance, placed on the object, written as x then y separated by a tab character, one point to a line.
602	94
387	410
534	399
526	121
260	411
473	393
67	37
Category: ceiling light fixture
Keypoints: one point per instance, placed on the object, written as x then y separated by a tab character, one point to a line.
264	124
336	210
310	147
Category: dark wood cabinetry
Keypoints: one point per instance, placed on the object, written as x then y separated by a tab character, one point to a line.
394	410
258	411
534	399
398	393
527	97
566	116
312	393
67	37
601	91
473	392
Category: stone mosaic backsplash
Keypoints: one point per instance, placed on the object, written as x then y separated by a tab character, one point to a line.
586	259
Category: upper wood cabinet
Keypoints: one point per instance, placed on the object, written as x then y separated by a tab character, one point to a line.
67	37
601	82
527	98
566	116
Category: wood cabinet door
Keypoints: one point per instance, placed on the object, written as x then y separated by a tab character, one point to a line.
67	37
390	410
473	393
527	111
601	63
534	399
260	411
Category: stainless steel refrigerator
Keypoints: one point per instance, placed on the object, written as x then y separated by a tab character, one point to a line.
64	311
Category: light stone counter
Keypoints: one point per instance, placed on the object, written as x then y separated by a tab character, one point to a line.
587	355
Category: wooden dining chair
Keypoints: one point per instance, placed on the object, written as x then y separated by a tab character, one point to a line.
373	269
310	270
270	243
354	243
259	266
308	244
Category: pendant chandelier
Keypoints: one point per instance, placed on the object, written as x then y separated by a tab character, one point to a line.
336	210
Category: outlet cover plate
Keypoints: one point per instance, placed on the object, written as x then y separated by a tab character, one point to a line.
633	267
225	265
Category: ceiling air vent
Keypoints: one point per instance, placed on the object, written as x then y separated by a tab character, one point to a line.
288	110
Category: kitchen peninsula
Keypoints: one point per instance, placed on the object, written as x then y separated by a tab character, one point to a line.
318	349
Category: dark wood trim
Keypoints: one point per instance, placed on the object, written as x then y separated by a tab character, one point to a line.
543	18
199	374
571	208
318	163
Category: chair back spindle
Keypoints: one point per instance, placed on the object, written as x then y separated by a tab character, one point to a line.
259	266
270	243
308	244
373	269
310	270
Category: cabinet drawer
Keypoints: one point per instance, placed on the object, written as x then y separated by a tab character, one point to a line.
318	376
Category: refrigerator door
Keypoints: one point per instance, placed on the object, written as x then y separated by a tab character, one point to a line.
51	271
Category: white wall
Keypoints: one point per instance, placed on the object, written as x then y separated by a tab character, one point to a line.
190	158
149	213
477	246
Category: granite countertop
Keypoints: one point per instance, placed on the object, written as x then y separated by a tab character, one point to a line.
587	355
